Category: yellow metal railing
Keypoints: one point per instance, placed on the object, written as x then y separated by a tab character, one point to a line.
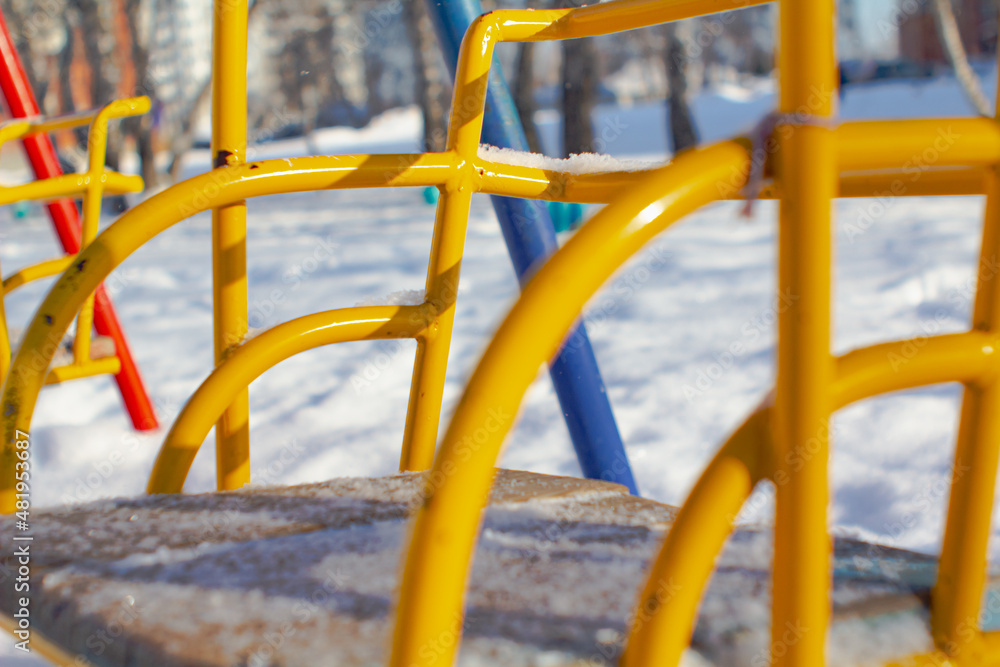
91	185
786	441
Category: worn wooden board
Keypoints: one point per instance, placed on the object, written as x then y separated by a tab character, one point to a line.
306	575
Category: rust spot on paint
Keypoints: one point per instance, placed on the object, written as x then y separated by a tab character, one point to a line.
222	158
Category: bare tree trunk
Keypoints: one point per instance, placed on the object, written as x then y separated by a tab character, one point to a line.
141	128
103	90
16	23
579	88
524	94
65	68
184	138
683	132
429	91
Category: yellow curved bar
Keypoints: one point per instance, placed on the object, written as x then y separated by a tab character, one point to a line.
437	562
969	357
250	360
860	374
661	631
36	272
668	605
154	215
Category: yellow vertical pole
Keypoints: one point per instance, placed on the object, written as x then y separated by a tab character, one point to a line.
808	181
429	605
423	413
958	592
465	127
229	228
97	140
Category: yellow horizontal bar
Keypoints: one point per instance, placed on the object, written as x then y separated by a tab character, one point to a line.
930	183
250	360
534	183
27	127
69	185
604	18
601	188
90	368
301	174
914	146
935	182
900	170
44	269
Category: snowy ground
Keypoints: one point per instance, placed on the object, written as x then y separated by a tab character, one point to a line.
659	329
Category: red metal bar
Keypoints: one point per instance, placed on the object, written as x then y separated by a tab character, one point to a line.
66	220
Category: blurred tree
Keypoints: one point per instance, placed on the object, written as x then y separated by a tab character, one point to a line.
524	94
683	133
141	128
429	76
579	88
183	136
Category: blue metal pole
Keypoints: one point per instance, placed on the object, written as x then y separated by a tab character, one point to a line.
531	238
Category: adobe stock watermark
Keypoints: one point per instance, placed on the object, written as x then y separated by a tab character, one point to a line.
620	293
750	331
98	642
263	653
929	496
291	451
360	37
959	297
386	352
791	635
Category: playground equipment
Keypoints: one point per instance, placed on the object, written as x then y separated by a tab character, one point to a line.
91	185
529	229
811	158
53	186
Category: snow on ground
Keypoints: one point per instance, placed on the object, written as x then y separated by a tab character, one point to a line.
661	328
